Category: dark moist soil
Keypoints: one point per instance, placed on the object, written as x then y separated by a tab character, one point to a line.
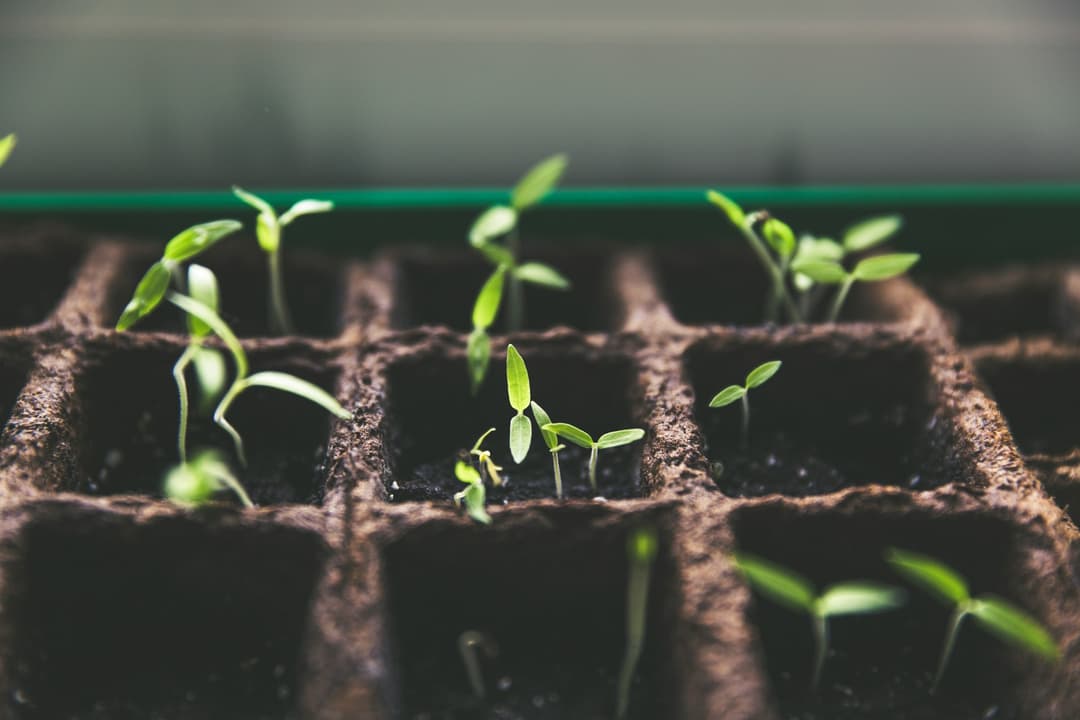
13	370
33	278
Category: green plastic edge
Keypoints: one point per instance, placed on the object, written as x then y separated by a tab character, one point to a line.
585	197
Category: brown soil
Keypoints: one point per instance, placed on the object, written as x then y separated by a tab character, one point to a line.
343	594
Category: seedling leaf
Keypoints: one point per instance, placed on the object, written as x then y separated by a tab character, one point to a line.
812	248
478	352
7	144
542	419
253	200
540	274
203	287
220	328
474	495
517	380
761	374
297	386
570	432
617	438
198	238
305	207
466	473
487	302
783	586
883	267
185	485
492	223
821	271
779	236
872	232
727	396
858	598
520	437
930	574
268	232
148	295
538	181
1013	625
209	367
731	209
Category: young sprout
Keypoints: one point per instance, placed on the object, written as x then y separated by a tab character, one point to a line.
268	228
474	495
641	552
483	459
871	269
7	144
195	481
552	442
796	593
758	376
999	617
478	350
470	644
579	437
517	389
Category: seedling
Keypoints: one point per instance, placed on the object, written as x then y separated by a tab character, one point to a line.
999	617
796	593
470	644
474	495
268	230
579	437
641	552
552	442
871	269
7	144
517	389
195	482
478	349
483	459
757	377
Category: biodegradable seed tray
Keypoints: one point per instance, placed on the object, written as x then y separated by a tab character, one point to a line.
342	595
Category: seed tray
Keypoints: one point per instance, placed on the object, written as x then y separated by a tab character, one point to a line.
342	594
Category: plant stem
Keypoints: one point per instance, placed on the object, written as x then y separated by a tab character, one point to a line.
280	321
558	473
950	640
181	387
746	421
821	647
779	288
219	418
469	643
772	305
637	595
592	465
841	295
515	312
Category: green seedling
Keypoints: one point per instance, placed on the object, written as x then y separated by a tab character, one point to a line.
195	482
552	442
483	459
796	593
871	269
268	230
517	389
478	348
7	144
757	377
470	644
641	549
997	616
579	437
474	496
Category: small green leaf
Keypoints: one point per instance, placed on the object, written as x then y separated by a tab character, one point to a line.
542	419
297	386
496	254
489	299
480	441
641	545
494	222
854	598
570	432
727	396
883	267
466	473
7	144
475	497
780	584
198	238
821	271
538	181
148	295
253	200
305	207
268	232
1013	625
186	484
932	575
540	274
219	326
762	373
812	248
779	236
868	233
203	287
210	371
520	437
616	438
517	380
731	209
478	352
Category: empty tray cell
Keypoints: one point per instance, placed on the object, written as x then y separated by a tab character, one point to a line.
35	272
724	284
314	290
550	596
993	305
129	417
842	411
113	618
882	665
440	288
434	421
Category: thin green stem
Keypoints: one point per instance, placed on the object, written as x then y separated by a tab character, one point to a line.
182	390
470	643
280	320
958	615
821	647
841	295
637	595
746	421
233	484
775	274
515	311
592	465
772	305
219	418
558	473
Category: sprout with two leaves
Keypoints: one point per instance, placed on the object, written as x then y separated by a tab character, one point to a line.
484	461
7	144
552	441
494	223
796	593
641	547
871	269
757	377
196	481
994	614
613	439
268	229
520	395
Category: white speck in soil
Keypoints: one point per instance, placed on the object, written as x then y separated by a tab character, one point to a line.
395	486
991	712
772	460
20	697
504	683
801	473
932	422
914	481
600	498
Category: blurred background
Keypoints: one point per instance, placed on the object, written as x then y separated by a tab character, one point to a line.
128	94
